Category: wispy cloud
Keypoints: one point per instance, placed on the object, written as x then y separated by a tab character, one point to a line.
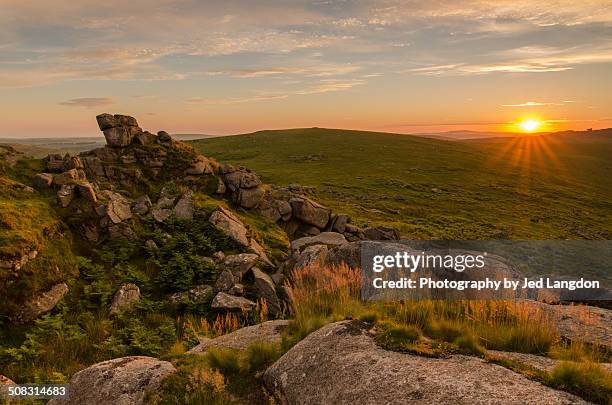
88	102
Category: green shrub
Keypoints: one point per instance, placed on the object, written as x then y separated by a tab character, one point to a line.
260	355
588	380
227	361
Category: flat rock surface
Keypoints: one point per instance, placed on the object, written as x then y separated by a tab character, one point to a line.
538	362
341	364
581	322
269	331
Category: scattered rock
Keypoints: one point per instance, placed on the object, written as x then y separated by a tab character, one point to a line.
339	223
65	195
124	298
220	187
86	191
239	264
161	214
150	244
118	207
184	207
121	381
225	281
362	372
69	177
142	205
314	255
242	338
43	180
40	304
382	233
310	212
249	197
226	221
324	238
200	293
267	290
223	301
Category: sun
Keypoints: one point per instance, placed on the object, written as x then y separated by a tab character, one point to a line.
529	125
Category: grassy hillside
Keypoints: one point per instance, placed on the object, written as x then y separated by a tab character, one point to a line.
546	187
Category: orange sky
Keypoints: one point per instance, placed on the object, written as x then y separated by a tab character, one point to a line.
229	67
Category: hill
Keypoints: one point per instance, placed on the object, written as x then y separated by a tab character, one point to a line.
552	186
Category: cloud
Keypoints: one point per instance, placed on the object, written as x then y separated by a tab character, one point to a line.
530	104
88	102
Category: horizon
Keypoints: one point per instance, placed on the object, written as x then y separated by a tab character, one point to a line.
383	66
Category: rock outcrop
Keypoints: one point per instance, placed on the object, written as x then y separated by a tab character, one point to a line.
121	381
346	354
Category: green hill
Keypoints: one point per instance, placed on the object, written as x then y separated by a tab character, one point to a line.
533	187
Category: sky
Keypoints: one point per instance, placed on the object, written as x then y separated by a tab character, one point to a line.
236	66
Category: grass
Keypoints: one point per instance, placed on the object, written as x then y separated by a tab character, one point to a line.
441	328
552	187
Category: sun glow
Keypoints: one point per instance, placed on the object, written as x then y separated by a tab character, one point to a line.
529	125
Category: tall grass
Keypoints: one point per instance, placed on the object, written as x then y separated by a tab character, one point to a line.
323	294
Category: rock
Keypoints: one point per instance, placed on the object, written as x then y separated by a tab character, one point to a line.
312	231
199	166
223	301
310	212
225	281
119	130
117	137
226	221
150	244
241	178
267	290
313	255
219	256
142	205
122	230
42	180
65	195
239	264
249	197
541	363
55	163
121	381
341	363
237	289
144	138
161	214
163	136
72	162
242	338
284	209
349	254
118	207
124	298
226	168
258	250
339	223
220	187
40	304
184	207
69	177
5	380
382	233
200	293
324	238
106	121
86	191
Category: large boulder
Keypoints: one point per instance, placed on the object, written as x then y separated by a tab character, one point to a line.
121	381
124	298
119	130
267	290
382	233
227	302
342	364
118	207
239	264
310	212
40	304
242	338
184	207
226	221
42	180
249	197
329	239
